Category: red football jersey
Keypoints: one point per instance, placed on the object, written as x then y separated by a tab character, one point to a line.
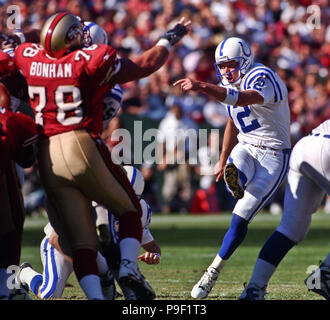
67	93
16	131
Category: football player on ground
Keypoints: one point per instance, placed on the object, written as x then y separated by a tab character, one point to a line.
18	132
57	266
67	84
256	143
148	243
308	182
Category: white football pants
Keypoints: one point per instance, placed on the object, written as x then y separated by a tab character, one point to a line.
264	170
56	271
308	182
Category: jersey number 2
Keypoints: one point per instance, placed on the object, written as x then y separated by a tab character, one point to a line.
254	124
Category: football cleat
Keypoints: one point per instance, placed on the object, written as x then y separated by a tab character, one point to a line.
20	294
128	293
108	286
233	181
131	277
18	280
252	292
319	281
204	286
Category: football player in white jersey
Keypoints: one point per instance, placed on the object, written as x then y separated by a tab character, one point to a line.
256	143
148	243
308	182
57	266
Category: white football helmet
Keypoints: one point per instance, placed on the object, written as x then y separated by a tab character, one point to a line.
94	34
136	179
233	49
111	104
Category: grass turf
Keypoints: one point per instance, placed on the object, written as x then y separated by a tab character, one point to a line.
190	242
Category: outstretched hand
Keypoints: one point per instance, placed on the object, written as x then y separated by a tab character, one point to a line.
175	34
187	84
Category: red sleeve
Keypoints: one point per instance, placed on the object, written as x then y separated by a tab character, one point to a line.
7	64
20	59
103	64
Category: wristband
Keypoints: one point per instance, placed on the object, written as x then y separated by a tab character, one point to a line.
164	43
232	97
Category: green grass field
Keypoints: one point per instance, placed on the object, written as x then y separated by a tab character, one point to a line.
190	242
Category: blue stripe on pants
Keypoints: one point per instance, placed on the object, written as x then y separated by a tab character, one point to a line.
276	185
47	291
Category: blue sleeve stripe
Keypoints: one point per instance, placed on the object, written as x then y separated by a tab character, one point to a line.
252	73
270	76
115	96
269	72
118	89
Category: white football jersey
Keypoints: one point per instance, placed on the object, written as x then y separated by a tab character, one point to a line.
145	219
267	124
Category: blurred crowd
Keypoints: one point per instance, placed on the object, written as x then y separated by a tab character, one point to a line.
290	36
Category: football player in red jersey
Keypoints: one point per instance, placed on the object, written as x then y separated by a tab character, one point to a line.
17	134
67	84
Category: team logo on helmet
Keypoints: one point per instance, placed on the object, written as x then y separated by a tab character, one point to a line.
61	33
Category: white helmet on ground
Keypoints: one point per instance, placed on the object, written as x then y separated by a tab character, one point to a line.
94	34
136	179
237	49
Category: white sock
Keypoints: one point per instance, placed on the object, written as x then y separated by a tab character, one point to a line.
101	215
129	249
218	263
262	273
26	275
4	290
91	285
326	261
101	264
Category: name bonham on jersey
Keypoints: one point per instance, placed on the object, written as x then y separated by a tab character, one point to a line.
51	70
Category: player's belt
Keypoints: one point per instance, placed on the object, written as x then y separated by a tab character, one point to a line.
261	147
320	135
269	148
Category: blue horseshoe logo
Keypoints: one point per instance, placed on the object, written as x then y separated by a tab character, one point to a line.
247	54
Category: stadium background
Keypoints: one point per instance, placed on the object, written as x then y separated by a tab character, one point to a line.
292	37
